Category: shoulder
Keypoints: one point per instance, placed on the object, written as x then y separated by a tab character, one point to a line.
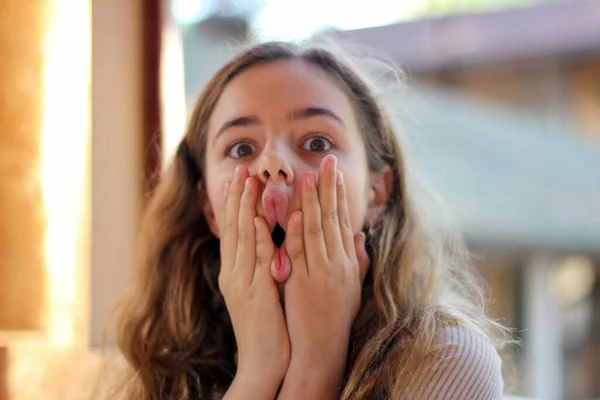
465	365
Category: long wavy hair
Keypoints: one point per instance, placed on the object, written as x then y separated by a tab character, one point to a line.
174	329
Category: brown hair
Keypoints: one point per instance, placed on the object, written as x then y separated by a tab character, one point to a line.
174	329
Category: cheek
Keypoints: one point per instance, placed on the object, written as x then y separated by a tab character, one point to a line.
215	187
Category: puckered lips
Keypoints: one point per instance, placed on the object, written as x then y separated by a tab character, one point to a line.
275	205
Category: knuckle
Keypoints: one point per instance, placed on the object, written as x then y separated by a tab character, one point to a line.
346	225
243	236
329	283
230	225
296	253
340	266
262	259
315	231
292	238
331	216
351	268
261	238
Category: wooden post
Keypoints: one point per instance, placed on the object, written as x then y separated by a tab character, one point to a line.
3	373
542	341
117	141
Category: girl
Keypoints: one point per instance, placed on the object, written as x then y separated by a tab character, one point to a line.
283	255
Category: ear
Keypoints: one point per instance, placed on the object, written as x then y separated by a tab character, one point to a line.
380	187
207	210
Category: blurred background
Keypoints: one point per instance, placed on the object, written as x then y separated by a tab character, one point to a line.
501	105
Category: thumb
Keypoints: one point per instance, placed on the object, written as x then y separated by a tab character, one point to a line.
361	255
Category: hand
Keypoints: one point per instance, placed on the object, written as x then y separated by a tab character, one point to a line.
250	293
323	293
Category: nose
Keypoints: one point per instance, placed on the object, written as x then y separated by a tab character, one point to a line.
275	167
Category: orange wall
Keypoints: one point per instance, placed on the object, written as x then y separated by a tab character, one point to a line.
22	228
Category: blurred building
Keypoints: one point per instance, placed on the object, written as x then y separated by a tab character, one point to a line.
543	60
513	134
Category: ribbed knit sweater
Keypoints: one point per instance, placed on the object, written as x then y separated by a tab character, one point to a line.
468	368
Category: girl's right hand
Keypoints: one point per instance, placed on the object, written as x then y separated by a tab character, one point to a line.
250	293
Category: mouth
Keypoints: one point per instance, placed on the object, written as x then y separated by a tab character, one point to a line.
278	235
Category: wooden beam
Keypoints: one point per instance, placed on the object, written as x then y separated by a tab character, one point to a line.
586	95
3	373
152	10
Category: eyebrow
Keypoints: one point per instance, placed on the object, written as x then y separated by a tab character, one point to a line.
310	112
241	121
295	115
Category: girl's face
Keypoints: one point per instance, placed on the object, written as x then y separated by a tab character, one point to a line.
279	120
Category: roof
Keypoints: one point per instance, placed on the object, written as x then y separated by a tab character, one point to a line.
510	180
563	28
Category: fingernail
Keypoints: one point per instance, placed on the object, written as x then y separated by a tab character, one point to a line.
247	185
238	172
310	180
339	179
226	189
331	163
298	217
256	223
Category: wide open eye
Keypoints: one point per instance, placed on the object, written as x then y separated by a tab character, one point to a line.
317	144
278	235
241	150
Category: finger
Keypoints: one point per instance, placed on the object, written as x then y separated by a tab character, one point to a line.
361	255
246	239
312	229
328	202
294	243
265	250
344	217
229	232
226	259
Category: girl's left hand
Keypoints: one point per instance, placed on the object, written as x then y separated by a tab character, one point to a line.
323	294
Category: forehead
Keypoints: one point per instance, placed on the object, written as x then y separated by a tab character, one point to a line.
277	87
